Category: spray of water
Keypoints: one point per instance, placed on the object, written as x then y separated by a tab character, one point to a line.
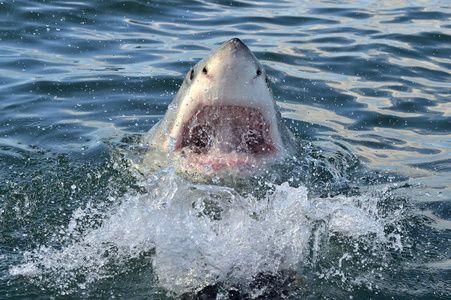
198	235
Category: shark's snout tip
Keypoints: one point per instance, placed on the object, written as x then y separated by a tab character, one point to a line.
235	41
236	44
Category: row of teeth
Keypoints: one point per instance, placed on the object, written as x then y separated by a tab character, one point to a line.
201	138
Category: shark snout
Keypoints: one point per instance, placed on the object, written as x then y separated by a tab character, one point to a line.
236	45
233	61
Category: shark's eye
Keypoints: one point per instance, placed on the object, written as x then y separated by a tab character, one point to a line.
191	74
259	72
204	70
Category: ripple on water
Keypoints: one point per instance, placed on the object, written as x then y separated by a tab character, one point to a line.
371	81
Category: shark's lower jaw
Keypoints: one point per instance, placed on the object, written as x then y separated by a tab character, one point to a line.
226	138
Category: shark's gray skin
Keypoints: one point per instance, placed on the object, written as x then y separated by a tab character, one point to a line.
223	119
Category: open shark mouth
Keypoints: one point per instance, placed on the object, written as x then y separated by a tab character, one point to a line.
222	136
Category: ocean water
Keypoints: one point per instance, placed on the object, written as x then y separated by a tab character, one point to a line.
363	211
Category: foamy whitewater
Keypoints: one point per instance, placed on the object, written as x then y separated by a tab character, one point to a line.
199	235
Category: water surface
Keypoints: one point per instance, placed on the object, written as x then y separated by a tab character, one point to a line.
366	84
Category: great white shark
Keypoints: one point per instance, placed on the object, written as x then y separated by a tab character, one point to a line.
223	120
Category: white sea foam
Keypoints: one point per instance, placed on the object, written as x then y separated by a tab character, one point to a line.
201	235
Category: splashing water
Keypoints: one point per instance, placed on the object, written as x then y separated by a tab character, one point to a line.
194	236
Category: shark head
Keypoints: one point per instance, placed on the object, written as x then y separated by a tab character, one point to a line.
224	118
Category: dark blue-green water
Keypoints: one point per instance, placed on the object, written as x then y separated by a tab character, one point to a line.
367	84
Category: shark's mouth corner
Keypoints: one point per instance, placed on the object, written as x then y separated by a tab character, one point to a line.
226	136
